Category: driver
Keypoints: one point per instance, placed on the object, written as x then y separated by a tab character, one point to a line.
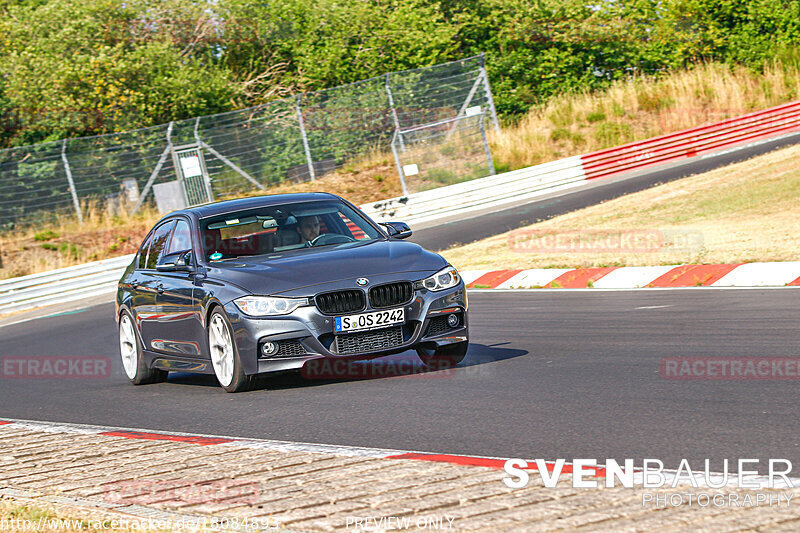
308	228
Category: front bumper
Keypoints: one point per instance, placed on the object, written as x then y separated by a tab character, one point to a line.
311	331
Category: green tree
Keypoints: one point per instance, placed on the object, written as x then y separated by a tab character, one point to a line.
741	31
76	68
315	44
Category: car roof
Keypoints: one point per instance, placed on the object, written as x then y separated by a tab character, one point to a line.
251	202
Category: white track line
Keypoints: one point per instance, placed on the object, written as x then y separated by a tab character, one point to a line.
631	277
535	277
640	290
760	274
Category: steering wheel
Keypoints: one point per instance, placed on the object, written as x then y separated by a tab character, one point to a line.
330	238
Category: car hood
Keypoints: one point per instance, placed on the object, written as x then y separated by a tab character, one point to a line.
307	272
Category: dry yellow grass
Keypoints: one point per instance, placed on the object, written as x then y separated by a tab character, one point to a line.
65	242
372	177
16	516
742	213
104	234
640	108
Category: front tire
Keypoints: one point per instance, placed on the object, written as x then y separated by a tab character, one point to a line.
132	354
443	357
224	355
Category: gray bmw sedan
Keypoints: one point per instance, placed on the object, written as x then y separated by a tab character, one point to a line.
265	284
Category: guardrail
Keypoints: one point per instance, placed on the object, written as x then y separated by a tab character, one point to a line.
480	193
746	129
734	133
62	285
99	278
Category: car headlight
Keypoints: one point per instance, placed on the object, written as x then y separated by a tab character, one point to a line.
444	279
268	305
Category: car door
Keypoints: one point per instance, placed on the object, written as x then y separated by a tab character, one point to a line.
178	329
141	299
149	284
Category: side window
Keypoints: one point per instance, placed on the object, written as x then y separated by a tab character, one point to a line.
181	238
143	251
159	244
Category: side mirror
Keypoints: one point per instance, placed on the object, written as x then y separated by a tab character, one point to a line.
176	262
398	230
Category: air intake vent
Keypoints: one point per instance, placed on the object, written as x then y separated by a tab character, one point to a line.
391	294
369	341
437	326
334	303
290	348
286	348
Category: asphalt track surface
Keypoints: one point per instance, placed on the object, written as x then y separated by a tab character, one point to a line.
549	374
473	228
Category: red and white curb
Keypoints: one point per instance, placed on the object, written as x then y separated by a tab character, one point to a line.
777	274
497	463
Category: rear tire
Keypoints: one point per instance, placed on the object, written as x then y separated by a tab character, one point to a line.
132	354
225	356
444	357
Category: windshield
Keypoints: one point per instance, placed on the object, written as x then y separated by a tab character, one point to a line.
283	228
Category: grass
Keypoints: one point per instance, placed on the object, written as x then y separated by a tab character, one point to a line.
65	242
34	517
566	125
736	214
45	235
573	124
360	181
106	234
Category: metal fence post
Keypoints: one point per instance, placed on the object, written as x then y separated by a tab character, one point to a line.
206	177
467	101
305	139
224	159
399	164
156	170
486	148
489	97
71	182
394	112
346	122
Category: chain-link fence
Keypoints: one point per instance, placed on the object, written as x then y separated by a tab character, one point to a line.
298	138
442	153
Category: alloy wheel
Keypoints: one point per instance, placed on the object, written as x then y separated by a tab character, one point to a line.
128	347
221	345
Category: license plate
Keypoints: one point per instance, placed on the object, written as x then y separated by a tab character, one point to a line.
373	320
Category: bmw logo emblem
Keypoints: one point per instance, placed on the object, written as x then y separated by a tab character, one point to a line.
362	281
